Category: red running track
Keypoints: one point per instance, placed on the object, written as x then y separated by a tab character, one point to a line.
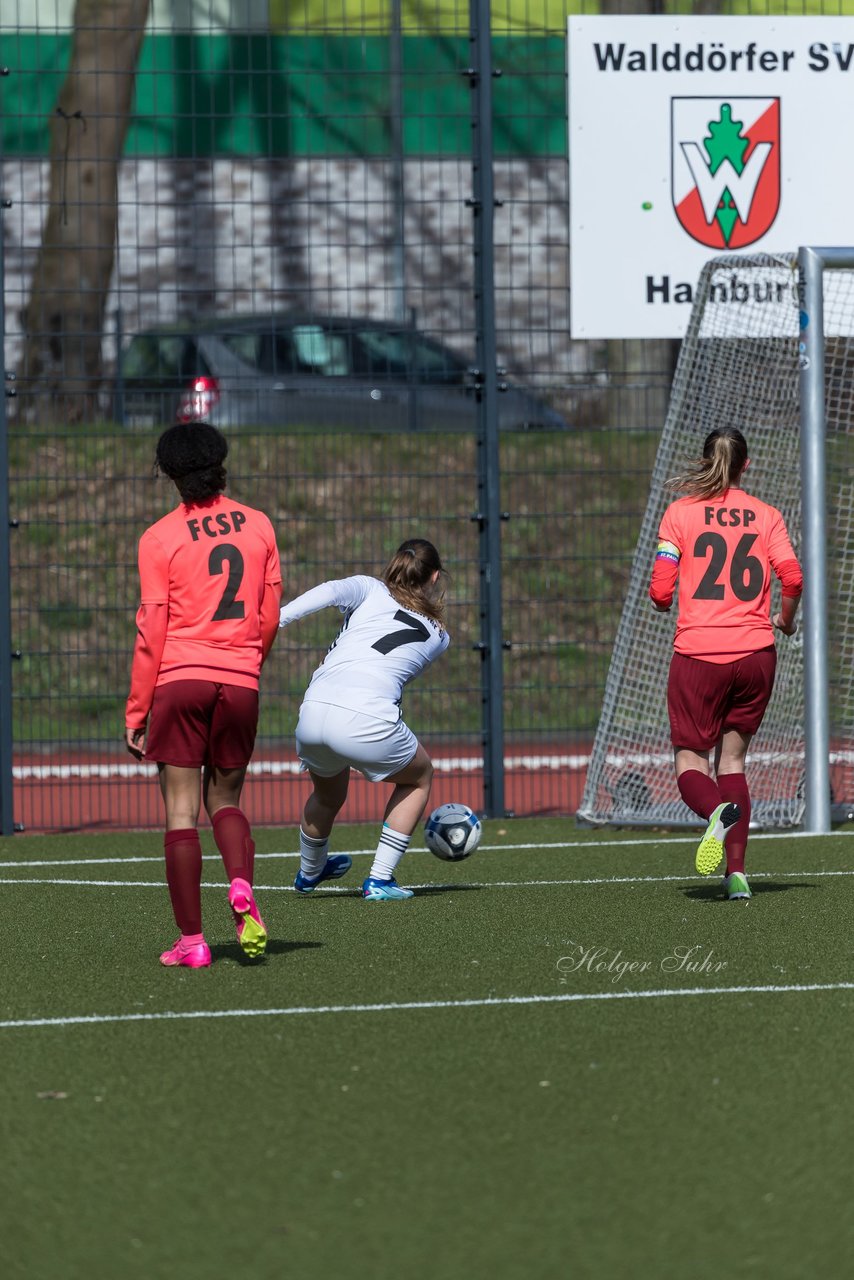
92	792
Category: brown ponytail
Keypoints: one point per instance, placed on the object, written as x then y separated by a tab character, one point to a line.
409	577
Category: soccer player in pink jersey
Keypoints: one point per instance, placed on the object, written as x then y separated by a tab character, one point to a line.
722	544
211	585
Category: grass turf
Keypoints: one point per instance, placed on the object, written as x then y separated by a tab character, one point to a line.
597	1132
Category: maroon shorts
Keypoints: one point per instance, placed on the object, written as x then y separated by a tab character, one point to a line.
705	699
197	722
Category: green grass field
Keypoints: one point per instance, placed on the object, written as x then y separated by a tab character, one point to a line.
565	1057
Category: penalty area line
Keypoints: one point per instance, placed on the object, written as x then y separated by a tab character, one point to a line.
403	1006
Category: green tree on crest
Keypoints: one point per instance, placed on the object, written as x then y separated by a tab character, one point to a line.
726	143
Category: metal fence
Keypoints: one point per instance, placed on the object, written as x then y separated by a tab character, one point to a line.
274	214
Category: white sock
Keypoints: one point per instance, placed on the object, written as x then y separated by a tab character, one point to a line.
390	850
312	854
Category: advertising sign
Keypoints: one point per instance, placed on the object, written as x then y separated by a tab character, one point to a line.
691	137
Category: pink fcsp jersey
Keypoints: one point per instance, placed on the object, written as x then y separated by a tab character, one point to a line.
728	547
210	562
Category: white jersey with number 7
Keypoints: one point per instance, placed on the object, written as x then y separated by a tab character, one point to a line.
379	649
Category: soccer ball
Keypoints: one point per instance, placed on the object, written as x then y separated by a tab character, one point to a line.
452	832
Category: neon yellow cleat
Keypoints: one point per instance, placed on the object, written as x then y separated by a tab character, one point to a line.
251	930
710	850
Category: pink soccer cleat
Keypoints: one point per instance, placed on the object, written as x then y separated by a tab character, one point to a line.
192	955
251	930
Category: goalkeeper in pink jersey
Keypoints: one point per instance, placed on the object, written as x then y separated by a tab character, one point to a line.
351	715
722	544
211	585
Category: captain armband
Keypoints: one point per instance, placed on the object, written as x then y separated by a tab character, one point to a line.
667	551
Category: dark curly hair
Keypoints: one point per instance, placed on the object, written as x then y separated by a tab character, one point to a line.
192	455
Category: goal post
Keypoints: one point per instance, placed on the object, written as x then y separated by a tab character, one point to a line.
769	348
816	378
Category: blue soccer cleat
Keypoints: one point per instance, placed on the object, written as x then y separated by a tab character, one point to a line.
337	865
384	890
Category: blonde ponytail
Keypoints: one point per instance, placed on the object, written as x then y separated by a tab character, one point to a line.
721	465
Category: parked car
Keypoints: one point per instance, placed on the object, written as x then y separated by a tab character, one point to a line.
307	371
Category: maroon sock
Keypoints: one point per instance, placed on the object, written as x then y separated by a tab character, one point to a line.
184	877
699	792
233	837
733	786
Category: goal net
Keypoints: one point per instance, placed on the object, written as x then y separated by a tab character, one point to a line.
739	363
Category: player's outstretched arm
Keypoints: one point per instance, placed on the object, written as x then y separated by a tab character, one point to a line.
344	593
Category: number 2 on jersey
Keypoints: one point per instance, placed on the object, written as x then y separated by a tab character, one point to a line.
746	574
229	606
407	635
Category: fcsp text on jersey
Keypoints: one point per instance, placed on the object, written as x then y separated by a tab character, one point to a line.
226	522
729	516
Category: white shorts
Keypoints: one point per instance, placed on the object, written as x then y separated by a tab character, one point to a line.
329	738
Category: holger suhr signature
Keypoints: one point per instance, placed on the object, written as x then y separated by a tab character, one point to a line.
696	959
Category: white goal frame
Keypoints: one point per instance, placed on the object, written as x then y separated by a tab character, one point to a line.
811	264
625	779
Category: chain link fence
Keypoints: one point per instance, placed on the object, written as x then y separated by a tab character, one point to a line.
262	213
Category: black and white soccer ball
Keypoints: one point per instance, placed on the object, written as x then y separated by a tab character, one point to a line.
452	832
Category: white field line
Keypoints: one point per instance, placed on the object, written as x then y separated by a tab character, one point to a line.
580	997
443	764
455	884
588	845
353	853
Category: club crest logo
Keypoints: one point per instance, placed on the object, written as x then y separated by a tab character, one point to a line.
725	166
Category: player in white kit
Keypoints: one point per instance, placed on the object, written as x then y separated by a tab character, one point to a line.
351	717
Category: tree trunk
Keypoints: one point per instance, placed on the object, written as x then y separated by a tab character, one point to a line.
61	366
